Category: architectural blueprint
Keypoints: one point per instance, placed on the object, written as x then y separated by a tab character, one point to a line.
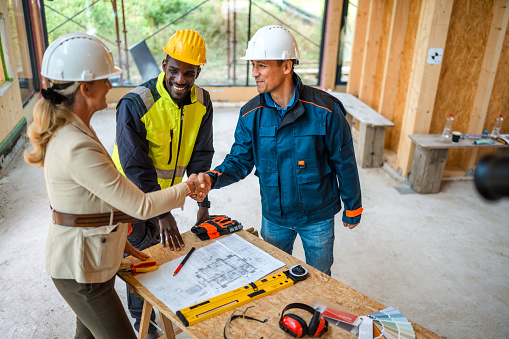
220	267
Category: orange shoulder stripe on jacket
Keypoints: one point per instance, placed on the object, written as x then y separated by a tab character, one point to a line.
316	105
251	111
354	213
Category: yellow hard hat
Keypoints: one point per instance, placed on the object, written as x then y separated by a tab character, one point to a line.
187	46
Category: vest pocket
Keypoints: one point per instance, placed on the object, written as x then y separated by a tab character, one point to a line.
159	147
101	248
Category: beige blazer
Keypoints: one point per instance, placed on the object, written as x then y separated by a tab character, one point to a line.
82	179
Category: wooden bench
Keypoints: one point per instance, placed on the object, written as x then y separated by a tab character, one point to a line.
430	157
371	136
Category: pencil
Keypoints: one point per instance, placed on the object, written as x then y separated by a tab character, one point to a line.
184	261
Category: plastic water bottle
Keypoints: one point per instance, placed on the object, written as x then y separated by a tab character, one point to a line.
446	133
497	127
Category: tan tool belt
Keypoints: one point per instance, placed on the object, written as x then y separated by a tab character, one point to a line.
91	220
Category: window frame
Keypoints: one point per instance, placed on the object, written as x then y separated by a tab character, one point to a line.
6	77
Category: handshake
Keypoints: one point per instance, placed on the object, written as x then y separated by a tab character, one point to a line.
199	186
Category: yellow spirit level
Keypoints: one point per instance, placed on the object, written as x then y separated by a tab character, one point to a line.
240	296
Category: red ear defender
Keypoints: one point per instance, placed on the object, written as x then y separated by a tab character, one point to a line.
318	325
297	327
294	325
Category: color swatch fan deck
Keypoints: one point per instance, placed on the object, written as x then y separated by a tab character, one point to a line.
389	323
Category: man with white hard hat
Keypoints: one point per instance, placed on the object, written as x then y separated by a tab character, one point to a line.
300	143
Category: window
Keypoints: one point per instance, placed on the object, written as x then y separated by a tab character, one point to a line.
346	41
5	66
3	70
20	54
226	26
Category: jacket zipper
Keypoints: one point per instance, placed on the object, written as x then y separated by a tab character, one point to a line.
171	146
180	140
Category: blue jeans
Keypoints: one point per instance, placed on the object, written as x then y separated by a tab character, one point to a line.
317	240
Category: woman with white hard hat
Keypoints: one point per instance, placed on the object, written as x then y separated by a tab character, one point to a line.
91	202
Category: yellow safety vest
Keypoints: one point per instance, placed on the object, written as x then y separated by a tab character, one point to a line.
171	131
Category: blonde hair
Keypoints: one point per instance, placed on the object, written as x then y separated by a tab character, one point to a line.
48	118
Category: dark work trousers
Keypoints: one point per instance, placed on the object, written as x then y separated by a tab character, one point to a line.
99	311
144	235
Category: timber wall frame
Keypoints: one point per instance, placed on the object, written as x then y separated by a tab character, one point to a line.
389	70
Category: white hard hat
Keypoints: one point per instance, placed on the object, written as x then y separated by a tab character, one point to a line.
272	43
78	57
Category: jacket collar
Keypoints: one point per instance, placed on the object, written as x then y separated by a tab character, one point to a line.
76	121
88	130
297	109
190	98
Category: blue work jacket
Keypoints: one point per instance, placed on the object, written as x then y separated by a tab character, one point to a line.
305	160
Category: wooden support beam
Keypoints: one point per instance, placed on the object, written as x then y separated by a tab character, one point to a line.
331	44
383	52
400	12
487	77
433	27
359	39
489	67
371	48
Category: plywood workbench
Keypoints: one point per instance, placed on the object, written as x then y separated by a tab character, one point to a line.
316	285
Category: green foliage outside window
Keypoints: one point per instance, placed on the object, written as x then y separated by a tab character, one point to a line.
6	76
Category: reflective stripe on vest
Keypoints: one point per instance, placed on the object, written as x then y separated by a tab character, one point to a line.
168	174
163	125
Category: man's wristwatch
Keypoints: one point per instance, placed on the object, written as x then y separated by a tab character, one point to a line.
204	204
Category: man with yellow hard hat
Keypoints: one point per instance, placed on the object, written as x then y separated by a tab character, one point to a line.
164	128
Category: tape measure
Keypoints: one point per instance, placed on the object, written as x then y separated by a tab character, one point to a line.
240	296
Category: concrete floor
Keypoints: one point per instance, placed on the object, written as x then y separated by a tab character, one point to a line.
441	259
